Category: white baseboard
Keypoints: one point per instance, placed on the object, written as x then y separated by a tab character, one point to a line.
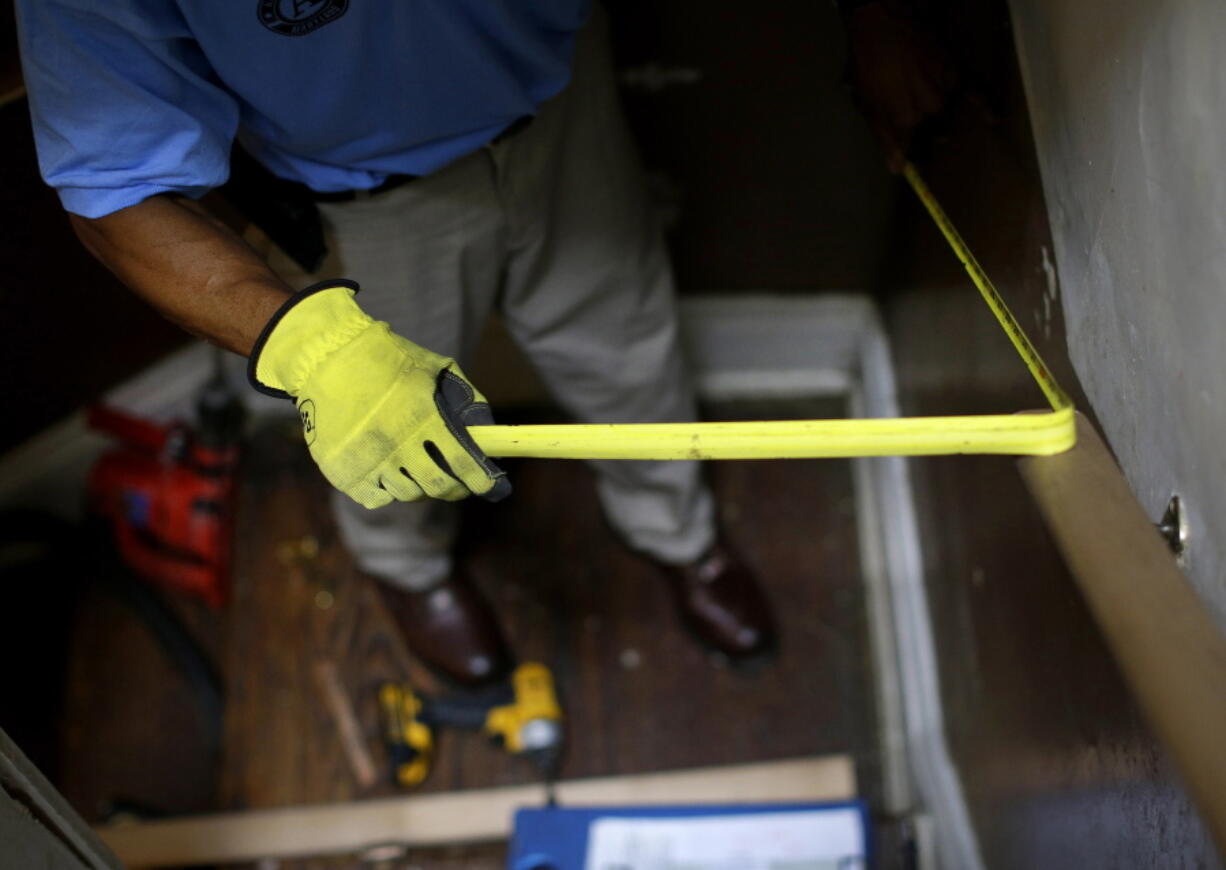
909	689
761	345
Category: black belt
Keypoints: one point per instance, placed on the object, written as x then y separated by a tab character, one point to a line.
394	181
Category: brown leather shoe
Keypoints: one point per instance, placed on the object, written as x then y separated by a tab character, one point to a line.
719	599
451	628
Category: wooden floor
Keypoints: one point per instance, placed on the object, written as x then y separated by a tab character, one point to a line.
639	694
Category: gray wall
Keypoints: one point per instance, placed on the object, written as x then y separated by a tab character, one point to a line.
1128	104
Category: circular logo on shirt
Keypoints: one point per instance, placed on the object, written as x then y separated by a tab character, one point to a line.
299	17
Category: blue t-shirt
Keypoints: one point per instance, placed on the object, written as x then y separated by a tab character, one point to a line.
131	98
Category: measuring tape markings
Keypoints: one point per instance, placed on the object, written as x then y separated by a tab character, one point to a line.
1042	433
1056	396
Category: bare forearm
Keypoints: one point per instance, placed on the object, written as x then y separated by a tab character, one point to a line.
191	267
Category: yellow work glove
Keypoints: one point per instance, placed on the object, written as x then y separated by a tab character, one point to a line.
383	418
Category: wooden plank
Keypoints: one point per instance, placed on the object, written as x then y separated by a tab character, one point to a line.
475	815
1160	632
346	721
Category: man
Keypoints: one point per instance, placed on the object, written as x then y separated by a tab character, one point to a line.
460	156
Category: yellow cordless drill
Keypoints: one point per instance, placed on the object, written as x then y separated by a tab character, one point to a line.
523	717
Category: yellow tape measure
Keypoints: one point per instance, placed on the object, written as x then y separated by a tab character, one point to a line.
1059	400
1035	434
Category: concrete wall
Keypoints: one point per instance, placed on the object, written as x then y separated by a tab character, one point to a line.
1128	105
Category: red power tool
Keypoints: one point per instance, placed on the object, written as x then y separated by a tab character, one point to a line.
168	492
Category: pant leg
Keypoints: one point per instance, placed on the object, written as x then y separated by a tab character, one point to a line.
428	256
590	298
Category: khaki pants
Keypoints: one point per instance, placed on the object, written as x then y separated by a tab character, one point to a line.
552	228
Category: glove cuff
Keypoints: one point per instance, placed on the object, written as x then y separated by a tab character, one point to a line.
309	325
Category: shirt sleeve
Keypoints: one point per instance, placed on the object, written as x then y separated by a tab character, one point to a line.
123	101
